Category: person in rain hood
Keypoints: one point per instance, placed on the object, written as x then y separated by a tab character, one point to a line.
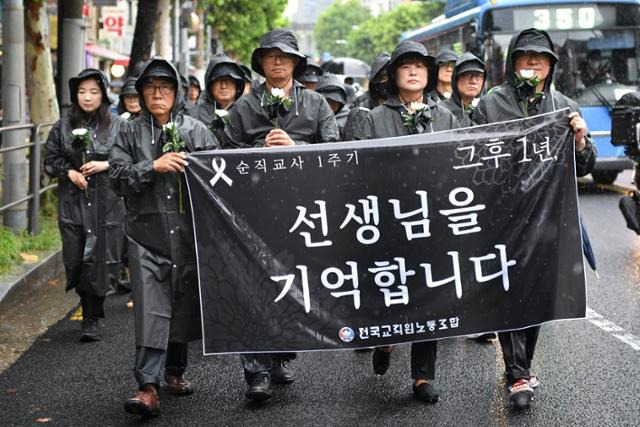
467	83
412	73
194	89
248	80
446	61
530	50
375	96
90	214
307	120
333	91
311	74
161	250
224	84
129	105
189	107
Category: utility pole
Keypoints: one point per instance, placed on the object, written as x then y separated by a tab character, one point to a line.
72	47
176	31
14	186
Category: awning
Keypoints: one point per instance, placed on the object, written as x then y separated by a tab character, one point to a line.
103	52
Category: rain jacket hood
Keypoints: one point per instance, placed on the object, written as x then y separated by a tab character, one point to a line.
379	67
284	40
465	63
223	66
160	67
311	74
330	86
411	48
530	40
74	83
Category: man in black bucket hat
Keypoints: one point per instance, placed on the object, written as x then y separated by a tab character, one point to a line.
305	118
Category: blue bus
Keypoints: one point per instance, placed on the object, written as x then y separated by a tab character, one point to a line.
597	42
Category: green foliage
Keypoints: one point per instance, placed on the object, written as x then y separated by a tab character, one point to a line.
336	22
382	33
48	238
9	249
239	24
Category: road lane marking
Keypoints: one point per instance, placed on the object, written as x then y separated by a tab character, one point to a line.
616	331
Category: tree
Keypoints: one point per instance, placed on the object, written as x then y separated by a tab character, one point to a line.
240	24
43	104
146	19
382	33
162	32
335	23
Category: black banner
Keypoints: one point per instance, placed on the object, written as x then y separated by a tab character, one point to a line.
378	242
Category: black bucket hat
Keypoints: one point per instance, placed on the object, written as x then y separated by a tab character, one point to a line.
532	40
312	73
129	87
379	67
281	39
88	73
193	81
446	55
411	48
330	86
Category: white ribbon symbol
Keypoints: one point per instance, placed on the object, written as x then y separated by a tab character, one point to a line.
219	169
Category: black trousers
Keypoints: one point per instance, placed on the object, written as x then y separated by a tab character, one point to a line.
92	306
423	360
149	362
253	363
517	349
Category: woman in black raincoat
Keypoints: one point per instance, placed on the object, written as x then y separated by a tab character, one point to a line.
224	84
530	50
467	83
375	95
129	105
194	90
161	251
90	214
334	92
412	73
446	61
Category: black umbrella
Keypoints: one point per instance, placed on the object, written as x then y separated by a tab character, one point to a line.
587	249
351	67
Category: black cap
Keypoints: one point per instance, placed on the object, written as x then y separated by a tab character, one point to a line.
88	73
281	39
532	40
411	48
156	67
311	73
193	81
129	87
446	55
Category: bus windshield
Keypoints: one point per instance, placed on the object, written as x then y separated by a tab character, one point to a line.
596	44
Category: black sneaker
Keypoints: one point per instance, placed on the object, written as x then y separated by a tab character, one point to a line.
259	386
90	331
281	373
381	360
521	394
426	392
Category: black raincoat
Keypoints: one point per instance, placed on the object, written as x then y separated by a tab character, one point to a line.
454	104
219	66
333	89
90	222
308	121
161	248
504	104
364	103
128	88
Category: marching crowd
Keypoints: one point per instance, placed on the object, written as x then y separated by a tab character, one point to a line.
122	195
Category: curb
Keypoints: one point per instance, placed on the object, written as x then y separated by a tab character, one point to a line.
36	276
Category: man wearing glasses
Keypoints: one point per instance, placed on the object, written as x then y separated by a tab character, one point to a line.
161	251
467	84
307	120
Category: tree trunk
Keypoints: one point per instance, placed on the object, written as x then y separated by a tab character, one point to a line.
43	104
162	29
143	34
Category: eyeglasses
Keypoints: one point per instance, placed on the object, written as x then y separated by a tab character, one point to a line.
150	89
282	57
470	75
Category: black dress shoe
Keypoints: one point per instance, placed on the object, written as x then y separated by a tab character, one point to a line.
281	373
259	386
90	331
426	392
381	360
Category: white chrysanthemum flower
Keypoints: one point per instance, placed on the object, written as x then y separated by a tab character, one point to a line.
527	74
167	126
447	95
79	132
475	102
222	113
417	106
277	92
125	115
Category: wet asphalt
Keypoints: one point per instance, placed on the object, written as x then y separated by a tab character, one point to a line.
588	369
